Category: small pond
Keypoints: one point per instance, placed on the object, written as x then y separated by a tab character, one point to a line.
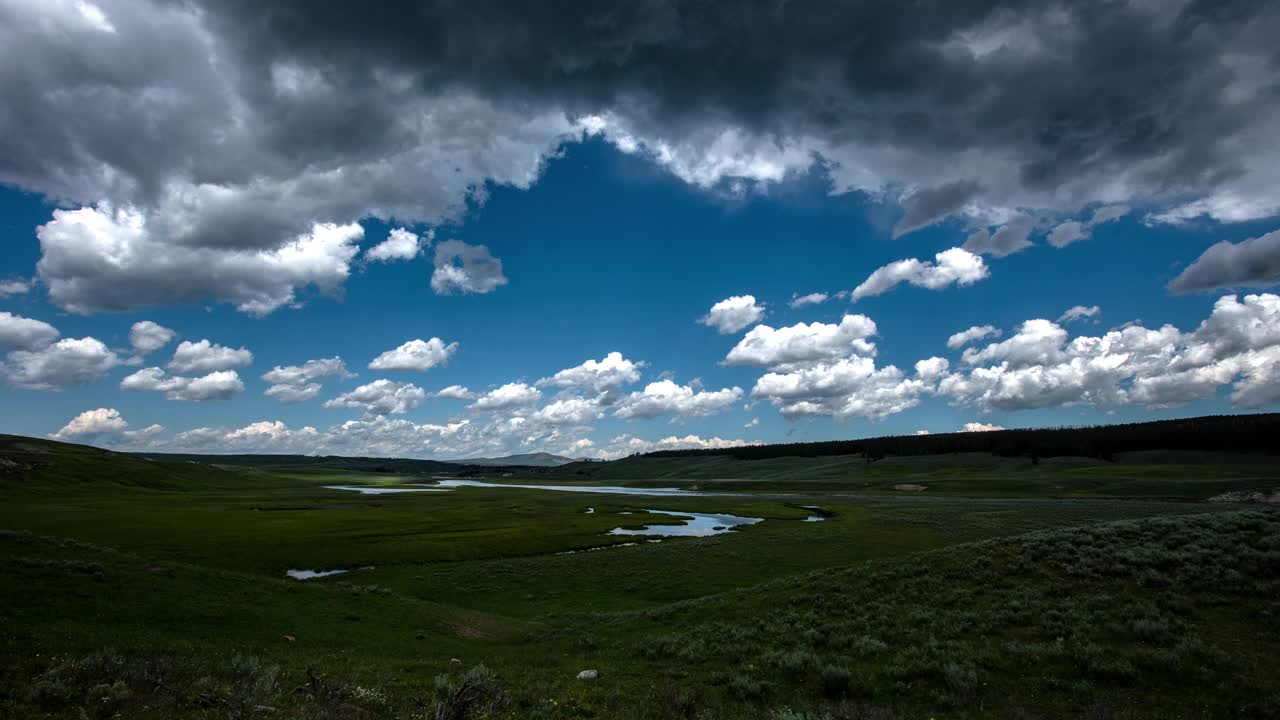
309	574
388	490
602	489
695	525
447	485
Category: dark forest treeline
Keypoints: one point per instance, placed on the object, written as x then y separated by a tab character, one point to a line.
1223	433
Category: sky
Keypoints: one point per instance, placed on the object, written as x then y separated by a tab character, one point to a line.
459	230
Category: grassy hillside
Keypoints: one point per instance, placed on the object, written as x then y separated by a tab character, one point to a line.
1167	617
133	588
35	466
1152	618
1174	474
1251	433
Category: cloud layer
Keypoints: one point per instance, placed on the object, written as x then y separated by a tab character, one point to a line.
806	370
1237	346
194	141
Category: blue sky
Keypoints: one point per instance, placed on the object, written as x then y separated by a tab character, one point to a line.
606	253
588	224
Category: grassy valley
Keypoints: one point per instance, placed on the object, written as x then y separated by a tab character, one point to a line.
935	585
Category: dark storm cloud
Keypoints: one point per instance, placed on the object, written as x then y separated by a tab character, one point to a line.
212	136
931	204
1009	239
1252	263
1067	89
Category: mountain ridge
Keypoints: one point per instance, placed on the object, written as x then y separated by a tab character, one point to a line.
535	459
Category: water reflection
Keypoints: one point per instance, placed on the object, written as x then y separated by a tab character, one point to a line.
602	489
695	525
376	490
309	574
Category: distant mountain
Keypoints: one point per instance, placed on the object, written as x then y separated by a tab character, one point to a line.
538	459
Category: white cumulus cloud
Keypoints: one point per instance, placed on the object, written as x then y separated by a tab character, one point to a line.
67	362
972	335
14	286
570	411
1079	312
381	397
455	392
416	355
204	356
950	267
848	388
91	423
100	258
609	373
733	314
624	445
293	394
665	397
817	298
511	395
17	332
298	383
217	385
146	337
1238	346
399	245
804	343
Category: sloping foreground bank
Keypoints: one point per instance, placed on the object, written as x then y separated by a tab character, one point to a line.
1165	617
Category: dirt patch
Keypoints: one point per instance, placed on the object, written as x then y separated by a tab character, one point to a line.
467	631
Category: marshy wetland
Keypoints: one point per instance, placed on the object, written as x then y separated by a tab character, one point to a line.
1128	594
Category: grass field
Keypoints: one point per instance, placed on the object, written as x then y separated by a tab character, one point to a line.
1064	588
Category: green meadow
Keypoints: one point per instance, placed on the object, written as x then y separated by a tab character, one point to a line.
1008	587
